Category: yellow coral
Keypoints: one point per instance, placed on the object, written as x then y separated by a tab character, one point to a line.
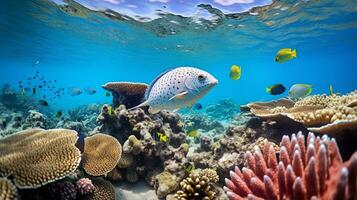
195	187
211	174
101	154
8	190
36	157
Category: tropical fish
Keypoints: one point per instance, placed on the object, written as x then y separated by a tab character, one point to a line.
197	106
276	89
285	54
188	167
23	92
107	94
193	133
300	90
59	114
90	90
331	90
235	72
111	111
74	91
43	102
162	137
177	88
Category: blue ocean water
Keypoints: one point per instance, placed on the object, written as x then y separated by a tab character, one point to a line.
79	47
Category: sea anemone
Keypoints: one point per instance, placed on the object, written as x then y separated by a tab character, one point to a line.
311	170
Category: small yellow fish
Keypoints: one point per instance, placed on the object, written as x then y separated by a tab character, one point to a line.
23	92
235	72
162	137
331	90
285	54
111	111
193	133
189	167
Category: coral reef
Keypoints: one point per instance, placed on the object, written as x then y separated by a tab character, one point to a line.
125	93
103	190
101	154
305	170
7	190
62	190
165	184
203	122
85	186
198	186
222	110
319	113
36	157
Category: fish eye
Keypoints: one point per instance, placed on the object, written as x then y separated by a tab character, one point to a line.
201	77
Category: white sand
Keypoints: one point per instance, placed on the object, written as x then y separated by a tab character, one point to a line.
137	191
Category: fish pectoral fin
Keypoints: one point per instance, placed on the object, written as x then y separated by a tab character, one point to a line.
153	110
180	95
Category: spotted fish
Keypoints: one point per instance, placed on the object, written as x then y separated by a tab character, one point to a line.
177	88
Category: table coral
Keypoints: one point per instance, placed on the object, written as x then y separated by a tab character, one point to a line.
101	154
129	94
305	170
36	157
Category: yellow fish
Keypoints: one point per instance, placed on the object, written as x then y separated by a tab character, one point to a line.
235	73
162	137
23	92
111	111
193	133
189	167
285	54
331	90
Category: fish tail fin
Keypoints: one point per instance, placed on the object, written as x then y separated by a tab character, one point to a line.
267	90
294	54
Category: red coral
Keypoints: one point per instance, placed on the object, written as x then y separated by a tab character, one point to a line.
311	170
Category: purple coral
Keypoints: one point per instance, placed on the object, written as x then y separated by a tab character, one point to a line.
85	186
63	190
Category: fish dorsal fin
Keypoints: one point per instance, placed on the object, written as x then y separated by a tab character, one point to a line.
285	50
148	90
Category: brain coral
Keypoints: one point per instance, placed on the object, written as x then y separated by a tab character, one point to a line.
101	154
36	157
7	190
103	190
305	171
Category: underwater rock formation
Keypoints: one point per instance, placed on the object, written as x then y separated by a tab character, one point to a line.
310	168
125	93
36	157
222	110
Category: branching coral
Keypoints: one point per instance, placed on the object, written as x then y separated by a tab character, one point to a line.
8	190
198	186
101	154
85	186
36	157
304	171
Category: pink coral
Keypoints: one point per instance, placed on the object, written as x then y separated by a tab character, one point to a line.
311	170
85	186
